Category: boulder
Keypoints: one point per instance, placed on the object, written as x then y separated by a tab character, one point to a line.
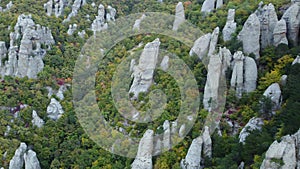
292	18
201	46
143	72
274	93
279	33
193	157
250	35
36	120
31	161
179	16
284	151
165	63
230	26
250	74
17	161
143	158
54	110
253	124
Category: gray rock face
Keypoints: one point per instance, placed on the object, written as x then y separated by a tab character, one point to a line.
201	46
193	157
250	74
143	72
82	34
36	120
167	136
274	93
143	159
137	23
286	151
207	143
179	16
54	110
75	7
26	60
17	161
72	29
48	7
219	4
237	77
253	124
8	6
283	80
250	35
230	26
212	82
297	60
3	51
99	23
165	63
213	41
268	20
111	13
279	34
292	18
31	161
208	6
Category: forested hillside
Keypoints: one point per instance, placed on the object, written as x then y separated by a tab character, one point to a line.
37	107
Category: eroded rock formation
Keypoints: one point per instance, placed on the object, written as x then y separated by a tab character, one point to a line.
230	26
253	124
179	16
54	110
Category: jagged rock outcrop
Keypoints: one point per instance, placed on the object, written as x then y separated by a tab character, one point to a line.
36	120
244	74
143	158
297	60
250	74
26	60
292	18
250	36
82	34
179	16
201	46
99	23
8	6
54	110
268	20
57	7
31	161
207	143
208	6
253	124
237	77
230	26
219	4
59	93
72	29
279	33
274	93
193	157
137	23
242	165
6	133
75	7
143	72
284	154
111	13
213	41
17	161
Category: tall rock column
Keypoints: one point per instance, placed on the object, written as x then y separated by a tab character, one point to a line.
237	78
17	161
179	16
250	36
292	18
230	26
279	33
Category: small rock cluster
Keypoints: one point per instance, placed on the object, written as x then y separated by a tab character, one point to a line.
101	21
56	7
